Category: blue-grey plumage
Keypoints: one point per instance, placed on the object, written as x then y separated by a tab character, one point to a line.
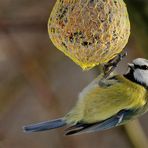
43	126
105	103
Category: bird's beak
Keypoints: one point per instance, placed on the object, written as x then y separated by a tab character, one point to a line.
131	65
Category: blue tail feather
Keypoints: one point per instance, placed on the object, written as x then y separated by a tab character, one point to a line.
43	126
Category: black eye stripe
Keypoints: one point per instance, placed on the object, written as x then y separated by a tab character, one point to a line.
143	67
137	66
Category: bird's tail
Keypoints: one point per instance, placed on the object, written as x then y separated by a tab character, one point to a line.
43	126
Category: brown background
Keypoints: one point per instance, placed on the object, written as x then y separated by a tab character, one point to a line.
37	82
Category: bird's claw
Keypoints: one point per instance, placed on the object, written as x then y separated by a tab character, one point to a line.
111	65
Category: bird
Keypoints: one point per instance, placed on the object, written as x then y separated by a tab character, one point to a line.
105	103
90	32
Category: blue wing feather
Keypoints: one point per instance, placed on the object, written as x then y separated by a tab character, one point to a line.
114	121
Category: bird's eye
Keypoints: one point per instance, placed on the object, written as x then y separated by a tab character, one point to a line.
144	67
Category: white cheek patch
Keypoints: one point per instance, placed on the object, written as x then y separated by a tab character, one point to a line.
141	76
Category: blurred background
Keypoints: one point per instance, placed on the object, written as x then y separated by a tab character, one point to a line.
38	82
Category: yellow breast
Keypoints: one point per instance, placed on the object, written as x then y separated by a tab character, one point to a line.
99	103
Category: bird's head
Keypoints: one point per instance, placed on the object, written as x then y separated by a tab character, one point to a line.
138	71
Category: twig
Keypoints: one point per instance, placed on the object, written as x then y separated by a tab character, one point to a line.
136	135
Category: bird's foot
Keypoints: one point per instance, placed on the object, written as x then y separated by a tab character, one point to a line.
111	65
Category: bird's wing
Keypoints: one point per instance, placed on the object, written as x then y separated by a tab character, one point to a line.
106	102
111	122
100	103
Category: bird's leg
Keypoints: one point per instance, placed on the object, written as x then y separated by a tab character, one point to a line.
110	66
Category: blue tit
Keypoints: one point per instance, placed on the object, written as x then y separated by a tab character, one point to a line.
105	103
